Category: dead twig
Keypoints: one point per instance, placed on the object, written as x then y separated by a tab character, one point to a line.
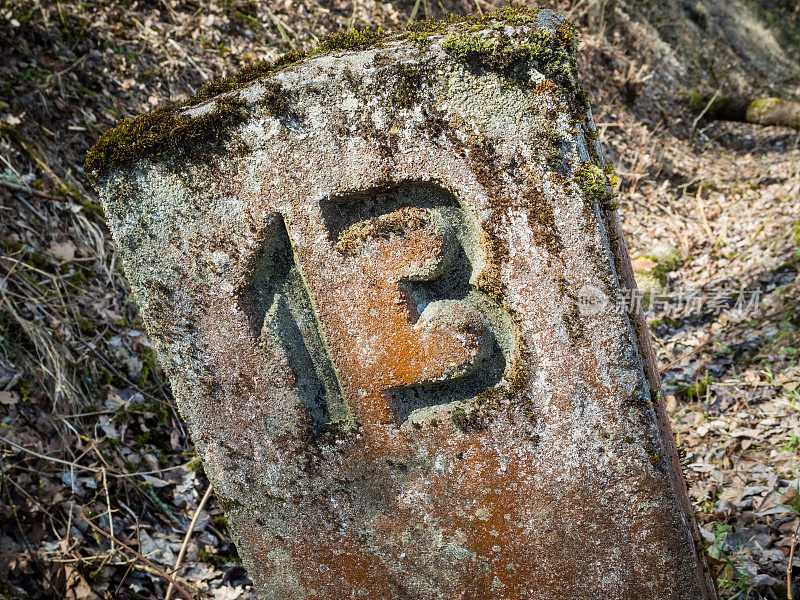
34	558
187	537
697	349
413	13
130	566
699	198
29	190
108	504
789	569
282	30
67	463
141	558
700	116
185	55
74	465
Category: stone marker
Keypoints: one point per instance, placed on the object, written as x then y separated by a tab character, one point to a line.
384	280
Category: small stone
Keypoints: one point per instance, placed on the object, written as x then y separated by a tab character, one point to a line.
762	579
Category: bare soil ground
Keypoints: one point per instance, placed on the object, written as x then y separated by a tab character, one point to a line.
87	422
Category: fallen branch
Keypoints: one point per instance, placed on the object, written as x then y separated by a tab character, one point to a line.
141	558
74	465
29	190
694	350
789	569
67	463
187	537
746	109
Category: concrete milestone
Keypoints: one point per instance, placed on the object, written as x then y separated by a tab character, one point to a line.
385	279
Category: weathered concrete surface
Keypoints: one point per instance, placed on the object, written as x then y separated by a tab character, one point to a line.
371	308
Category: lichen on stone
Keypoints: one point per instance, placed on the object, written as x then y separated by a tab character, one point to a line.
167	129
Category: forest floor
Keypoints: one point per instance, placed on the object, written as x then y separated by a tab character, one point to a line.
87	423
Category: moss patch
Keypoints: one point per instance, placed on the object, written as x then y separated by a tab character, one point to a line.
547	52
596	186
410	80
162	131
275	100
573	324
352	39
165	130
244	76
464	421
420	31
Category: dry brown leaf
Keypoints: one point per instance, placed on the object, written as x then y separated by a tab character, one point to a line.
64	251
643	264
8	398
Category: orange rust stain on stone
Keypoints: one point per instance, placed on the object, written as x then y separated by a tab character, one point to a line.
545	86
378	338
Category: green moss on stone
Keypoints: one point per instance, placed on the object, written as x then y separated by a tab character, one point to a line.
275	100
486	51
516	16
244	76
352	39
502	54
166	130
420	31
758	110
162	131
596	186
465	421
550	143
410	80
567	34
573	324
